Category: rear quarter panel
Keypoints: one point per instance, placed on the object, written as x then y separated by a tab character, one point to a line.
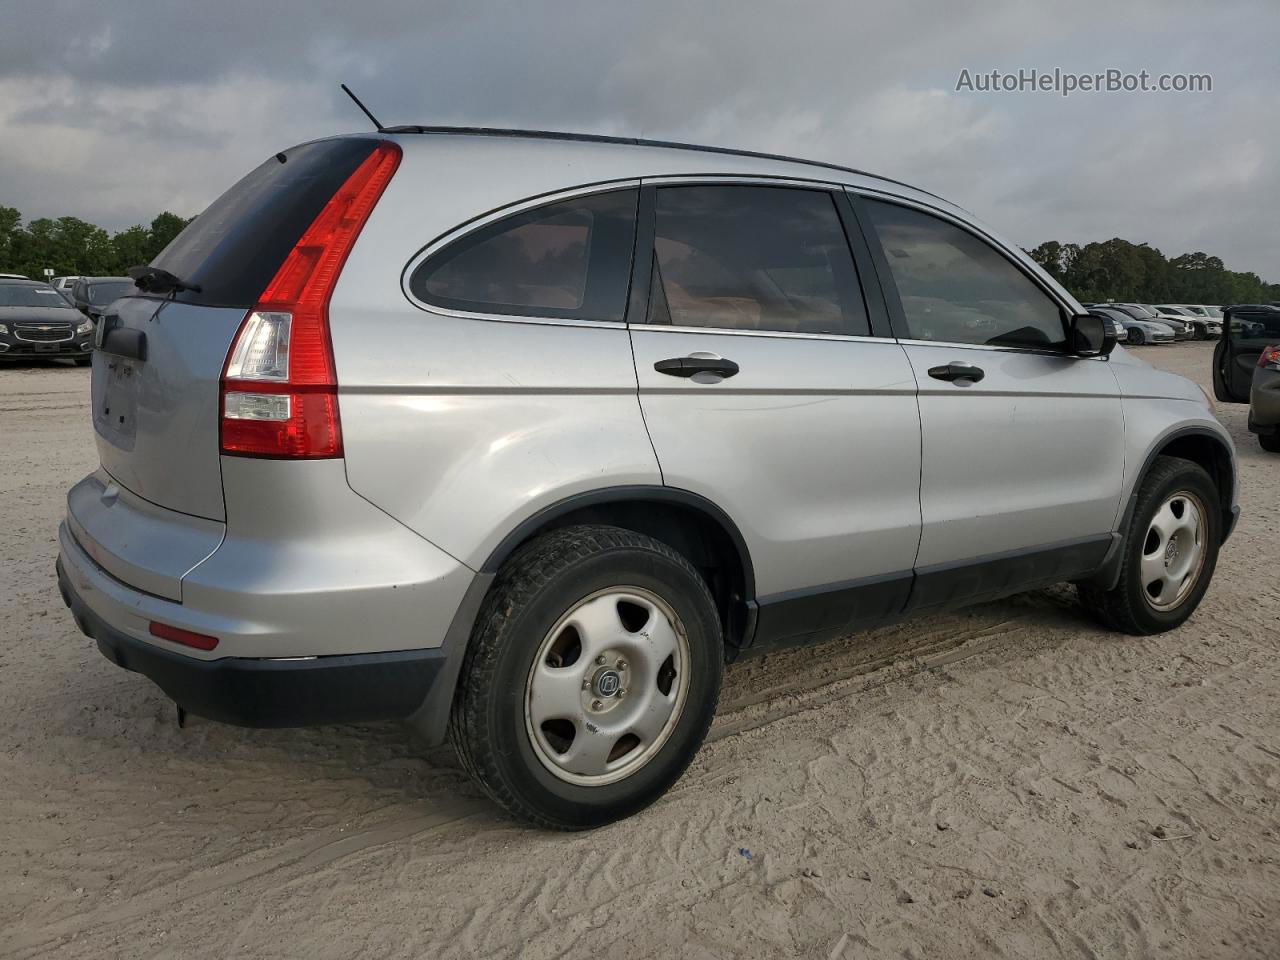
460	427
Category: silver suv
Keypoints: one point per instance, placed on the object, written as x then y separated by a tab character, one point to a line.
521	437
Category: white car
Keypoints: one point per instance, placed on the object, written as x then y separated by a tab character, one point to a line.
1206	326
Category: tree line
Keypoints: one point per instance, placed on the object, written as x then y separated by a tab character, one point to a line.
1111	270
1137	273
73	247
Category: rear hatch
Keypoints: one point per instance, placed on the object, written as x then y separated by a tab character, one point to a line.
156	376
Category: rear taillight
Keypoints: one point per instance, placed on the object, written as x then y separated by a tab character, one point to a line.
279	387
1270	358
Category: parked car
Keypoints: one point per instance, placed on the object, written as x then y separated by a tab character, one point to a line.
35	321
1137	332
1203	328
522	436
1246	368
12	276
93	295
1115	328
1182	330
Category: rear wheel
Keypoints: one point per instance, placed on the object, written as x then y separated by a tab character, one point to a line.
1170	551
1270	444
1137	337
591	678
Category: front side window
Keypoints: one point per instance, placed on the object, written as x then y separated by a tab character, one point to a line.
570	259
956	288
753	258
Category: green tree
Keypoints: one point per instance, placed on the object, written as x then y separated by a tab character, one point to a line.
131	248
163	229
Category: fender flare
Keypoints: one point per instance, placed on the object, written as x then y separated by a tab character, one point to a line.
1109	574
633	493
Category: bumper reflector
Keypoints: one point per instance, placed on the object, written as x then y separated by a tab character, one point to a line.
185	637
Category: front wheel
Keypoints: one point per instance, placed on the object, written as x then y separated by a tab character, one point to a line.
1170	551
1271	443
591	678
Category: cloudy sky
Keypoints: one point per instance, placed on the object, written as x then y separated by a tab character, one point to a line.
115	111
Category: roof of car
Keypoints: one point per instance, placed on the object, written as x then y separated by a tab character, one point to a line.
21	281
502	132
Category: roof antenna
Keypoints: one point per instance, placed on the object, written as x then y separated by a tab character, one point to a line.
347	91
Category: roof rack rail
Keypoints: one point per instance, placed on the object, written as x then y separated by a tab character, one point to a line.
639	142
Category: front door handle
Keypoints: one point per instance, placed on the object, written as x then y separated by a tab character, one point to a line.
957	371
688	366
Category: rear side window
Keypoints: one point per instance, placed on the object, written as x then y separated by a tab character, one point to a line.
234	248
957	288
754	258
568	260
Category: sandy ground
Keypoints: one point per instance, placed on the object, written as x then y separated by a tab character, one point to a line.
1008	781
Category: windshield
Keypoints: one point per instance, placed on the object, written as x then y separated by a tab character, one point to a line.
22	295
1215	312
100	294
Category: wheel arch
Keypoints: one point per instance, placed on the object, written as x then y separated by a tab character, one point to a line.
1200	445
687	522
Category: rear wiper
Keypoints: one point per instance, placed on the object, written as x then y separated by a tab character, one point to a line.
155	280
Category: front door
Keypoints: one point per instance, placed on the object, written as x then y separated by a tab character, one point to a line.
764	390
1246	332
1023	443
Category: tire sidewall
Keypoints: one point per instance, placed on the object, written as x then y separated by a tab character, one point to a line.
524	632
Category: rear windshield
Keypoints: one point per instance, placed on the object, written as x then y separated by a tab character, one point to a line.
21	295
234	248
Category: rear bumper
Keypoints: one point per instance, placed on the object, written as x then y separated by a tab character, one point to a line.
288	692
281	692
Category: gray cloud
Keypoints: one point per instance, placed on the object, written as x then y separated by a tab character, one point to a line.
113	112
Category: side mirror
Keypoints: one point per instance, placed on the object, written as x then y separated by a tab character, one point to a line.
1091	336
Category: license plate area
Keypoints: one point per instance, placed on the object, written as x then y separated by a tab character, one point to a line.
115	410
45	347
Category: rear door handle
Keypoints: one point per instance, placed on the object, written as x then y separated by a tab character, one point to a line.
688	366
957	371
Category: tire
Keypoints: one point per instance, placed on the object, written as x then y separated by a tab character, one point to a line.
523	639
1136	337
1270	444
1131	606
1199	333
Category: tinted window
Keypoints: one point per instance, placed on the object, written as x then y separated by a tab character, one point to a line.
24	295
100	294
570	259
957	288
1260	326
234	248
754	258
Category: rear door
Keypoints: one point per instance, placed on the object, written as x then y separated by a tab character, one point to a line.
1246	333
766	389
157	370
1023	443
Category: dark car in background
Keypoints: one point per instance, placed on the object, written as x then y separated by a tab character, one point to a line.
1246	368
37	322
92	295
